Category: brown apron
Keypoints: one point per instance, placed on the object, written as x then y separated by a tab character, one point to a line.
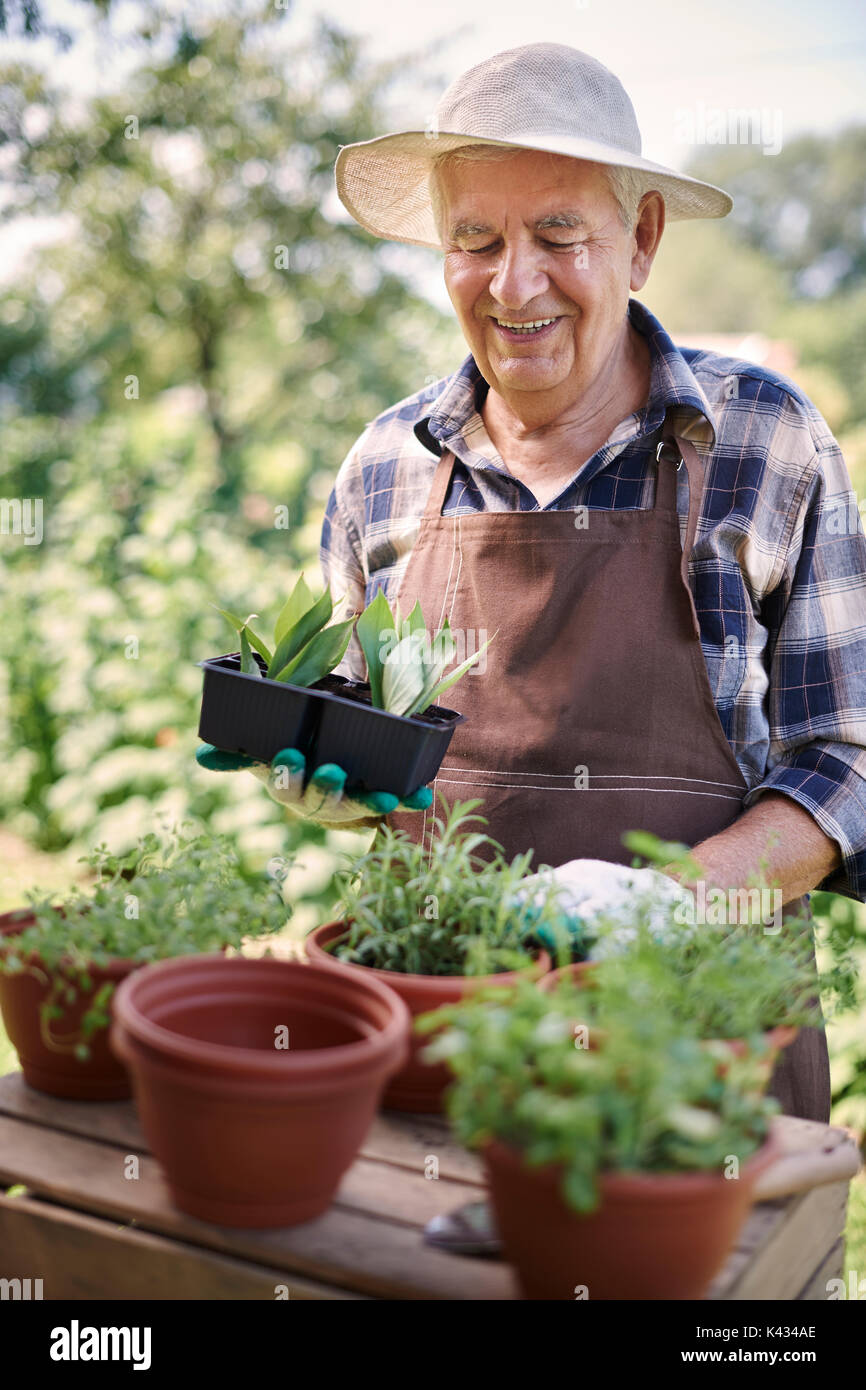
594	713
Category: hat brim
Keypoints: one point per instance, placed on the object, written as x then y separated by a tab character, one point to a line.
384	183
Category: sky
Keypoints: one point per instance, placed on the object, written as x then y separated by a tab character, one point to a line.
802	60
800	65
806	61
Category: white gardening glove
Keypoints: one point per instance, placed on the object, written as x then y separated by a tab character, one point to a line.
601	903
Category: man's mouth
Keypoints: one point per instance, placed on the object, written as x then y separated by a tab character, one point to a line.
526	328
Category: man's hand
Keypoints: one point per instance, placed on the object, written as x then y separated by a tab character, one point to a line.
324	799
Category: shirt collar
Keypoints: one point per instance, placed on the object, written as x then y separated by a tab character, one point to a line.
673	385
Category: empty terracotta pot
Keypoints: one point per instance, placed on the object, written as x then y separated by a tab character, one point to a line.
46	1049
256	1080
418	1086
653	1235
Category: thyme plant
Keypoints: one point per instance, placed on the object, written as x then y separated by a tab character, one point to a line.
170	896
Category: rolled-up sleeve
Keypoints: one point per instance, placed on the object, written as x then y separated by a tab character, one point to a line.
817	667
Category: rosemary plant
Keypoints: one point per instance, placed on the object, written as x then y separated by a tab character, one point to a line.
446	909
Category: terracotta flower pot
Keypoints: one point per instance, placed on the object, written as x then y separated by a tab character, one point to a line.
256	1079
579	971
653	1235
418	1086
46	1050
775	1038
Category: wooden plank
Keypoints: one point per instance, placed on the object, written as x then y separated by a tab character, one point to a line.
763	1220
81	1257
404	1141
815	1291
346	1247
811	1226
404	1194
812	1154
115	1122
388	1184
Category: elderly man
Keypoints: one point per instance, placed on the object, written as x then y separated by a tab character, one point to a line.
680	649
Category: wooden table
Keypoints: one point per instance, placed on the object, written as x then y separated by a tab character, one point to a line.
89	1231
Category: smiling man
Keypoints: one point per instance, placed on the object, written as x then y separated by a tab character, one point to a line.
680	649
652	533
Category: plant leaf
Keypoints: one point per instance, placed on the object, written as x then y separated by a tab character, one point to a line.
373	625
299	602
431	692
415	620
403	675
322	653
249	665
237	623
298	636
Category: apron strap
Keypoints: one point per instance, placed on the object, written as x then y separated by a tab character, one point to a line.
439	487
672	450
695	470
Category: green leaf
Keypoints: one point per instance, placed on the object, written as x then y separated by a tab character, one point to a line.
298	636
299	602
403	676
249	665
415	619
373	625
238	623
321	654
432	692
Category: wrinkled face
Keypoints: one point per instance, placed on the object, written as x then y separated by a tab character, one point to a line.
537	239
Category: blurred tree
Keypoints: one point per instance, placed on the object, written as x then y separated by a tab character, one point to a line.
805	207
200	249
180	376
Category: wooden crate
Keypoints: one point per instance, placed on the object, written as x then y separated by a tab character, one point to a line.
89	1232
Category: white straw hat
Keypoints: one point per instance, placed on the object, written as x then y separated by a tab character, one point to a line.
543	96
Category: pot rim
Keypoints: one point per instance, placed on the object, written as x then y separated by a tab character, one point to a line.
229	1058
541	962
637	1183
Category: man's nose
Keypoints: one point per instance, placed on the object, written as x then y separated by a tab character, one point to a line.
517	277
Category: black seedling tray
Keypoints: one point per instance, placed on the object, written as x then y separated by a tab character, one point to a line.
378	751
259	717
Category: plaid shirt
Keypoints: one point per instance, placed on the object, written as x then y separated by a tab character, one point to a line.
778	570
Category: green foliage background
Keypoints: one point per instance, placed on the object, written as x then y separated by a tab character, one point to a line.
187	366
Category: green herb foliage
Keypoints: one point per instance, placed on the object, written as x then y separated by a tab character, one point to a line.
441	909
651	1097
172	896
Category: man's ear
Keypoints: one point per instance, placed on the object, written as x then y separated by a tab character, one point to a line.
648	227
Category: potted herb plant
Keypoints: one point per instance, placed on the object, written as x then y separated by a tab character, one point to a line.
61	962
256	1079
740	984
621	1172
436	922
387	733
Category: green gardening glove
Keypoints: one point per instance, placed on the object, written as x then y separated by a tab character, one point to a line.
324	799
